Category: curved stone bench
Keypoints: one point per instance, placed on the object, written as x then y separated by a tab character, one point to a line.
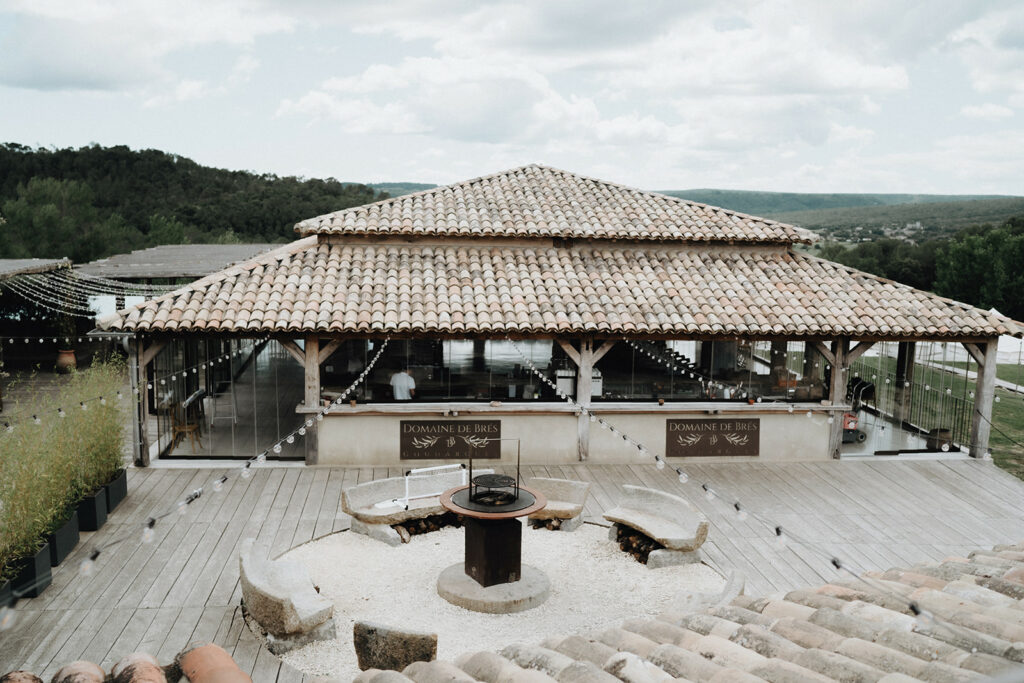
667	519
281	597
376	505
566	498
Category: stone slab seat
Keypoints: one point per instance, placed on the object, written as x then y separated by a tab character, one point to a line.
368	502
280	596
565	497
668	519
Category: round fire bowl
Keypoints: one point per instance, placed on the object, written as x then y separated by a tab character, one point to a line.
455	586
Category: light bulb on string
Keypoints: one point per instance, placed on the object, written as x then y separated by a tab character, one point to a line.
35	418
683	476
659	463
7	618
88	564
302	430
103	401
277	448
246	472
147	531
81	404
61	413
741	514
319	417
780	537
291	438
262	457
708	492
181	507
218	483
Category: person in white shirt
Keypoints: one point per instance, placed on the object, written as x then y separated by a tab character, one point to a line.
403	386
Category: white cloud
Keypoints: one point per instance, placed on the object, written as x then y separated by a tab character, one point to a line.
184	91
987	111
358	116
119	44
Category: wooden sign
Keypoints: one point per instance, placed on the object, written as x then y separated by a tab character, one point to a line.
712	437
449	439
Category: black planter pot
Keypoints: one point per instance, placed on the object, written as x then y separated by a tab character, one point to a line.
92	510
63	540
34	576
117	489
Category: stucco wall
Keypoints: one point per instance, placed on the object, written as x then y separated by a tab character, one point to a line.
373	439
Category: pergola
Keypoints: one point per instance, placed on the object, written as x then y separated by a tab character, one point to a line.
536	253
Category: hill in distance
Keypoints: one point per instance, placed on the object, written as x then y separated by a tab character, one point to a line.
773	203
399	189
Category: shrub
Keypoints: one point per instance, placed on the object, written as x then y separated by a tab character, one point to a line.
45	468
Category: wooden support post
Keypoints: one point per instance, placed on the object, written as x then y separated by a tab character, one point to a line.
293	350
312	358
312	396
143	357
904	375
584	376
984	393
837	392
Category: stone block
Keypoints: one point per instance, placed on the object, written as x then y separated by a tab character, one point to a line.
671	558
280	645
279	595
668	519
385	647
385	533
565	497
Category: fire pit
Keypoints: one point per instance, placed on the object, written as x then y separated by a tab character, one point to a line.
492	577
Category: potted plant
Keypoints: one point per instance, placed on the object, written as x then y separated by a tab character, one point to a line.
63	539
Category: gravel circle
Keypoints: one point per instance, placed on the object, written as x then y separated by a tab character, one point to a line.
594	586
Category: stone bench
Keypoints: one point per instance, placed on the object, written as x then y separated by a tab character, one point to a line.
377	505
566	499
282	599
667	519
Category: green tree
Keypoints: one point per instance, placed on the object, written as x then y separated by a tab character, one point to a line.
985	267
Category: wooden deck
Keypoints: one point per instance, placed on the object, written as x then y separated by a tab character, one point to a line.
183	587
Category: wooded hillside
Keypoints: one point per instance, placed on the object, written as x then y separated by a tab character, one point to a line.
95	201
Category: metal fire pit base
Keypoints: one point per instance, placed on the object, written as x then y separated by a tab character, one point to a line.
460	589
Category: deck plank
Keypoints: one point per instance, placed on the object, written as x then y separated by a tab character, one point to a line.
183	587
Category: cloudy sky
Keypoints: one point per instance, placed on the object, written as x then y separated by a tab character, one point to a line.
800	95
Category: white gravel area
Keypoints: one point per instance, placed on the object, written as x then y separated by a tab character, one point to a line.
594	586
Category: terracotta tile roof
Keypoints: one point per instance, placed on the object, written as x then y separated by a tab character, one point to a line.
851	630
479	289
538	201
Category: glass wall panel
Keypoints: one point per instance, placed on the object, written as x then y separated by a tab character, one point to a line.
446	370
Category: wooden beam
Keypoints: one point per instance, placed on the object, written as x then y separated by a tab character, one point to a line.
984	393
976	353
150	353
312	394
858	351
327	350
292	348
570	351
825	352
605	348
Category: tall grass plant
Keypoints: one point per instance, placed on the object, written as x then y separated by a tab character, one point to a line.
46	468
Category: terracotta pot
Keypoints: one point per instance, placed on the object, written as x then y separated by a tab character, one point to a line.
66	360
79	672
20	677
211	664
138	667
